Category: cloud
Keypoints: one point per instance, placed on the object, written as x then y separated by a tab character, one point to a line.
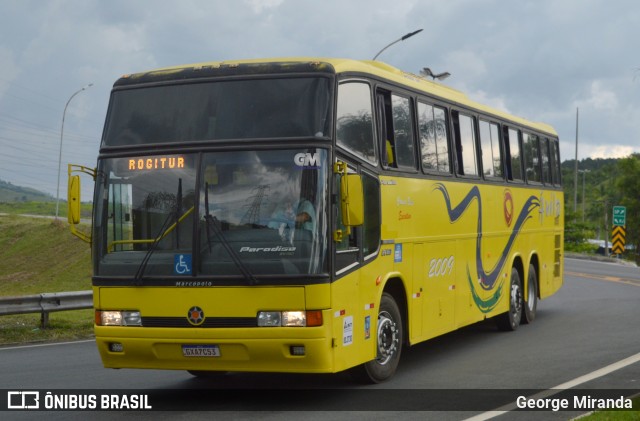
610	151
9	69
259	6
599	98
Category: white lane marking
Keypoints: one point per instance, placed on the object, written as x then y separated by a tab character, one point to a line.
47	344
564	386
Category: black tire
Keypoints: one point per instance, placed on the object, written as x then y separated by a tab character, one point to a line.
389	338
510	320
531	303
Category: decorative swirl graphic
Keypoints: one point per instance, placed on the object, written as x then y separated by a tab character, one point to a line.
487	278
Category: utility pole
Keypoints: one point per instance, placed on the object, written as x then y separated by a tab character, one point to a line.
607	231
575	188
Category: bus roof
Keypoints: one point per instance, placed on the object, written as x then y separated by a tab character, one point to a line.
326	65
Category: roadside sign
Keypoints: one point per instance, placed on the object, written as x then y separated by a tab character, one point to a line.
619	216
618	236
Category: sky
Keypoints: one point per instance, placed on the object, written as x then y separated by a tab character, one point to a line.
545	60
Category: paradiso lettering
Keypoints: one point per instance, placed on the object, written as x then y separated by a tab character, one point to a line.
156	163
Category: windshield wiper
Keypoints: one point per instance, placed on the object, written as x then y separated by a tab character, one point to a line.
213	223
175	213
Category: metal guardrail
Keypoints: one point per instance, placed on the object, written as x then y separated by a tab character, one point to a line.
46	303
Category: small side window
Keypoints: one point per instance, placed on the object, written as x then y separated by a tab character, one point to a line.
372	215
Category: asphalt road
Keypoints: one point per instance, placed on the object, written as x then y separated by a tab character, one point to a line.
586	338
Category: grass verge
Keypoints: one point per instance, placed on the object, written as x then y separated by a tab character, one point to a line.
617	415
40	256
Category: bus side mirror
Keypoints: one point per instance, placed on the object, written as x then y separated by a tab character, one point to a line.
352	199
73	200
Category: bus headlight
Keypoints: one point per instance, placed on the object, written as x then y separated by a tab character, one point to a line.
290	318
294	318
118	318
269	318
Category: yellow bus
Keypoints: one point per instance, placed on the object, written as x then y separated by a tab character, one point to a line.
312	216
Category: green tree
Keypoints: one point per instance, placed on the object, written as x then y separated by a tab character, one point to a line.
576	233
628	187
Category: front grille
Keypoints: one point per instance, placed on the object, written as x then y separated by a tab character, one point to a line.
209	322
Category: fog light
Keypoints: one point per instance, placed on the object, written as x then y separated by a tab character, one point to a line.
116	347
297	350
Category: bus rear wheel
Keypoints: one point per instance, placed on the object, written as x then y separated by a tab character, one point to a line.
389	338
510	320
531	303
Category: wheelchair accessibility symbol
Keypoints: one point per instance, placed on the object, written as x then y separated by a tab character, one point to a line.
182	264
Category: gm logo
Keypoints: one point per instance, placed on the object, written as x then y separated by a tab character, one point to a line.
23	400
307	160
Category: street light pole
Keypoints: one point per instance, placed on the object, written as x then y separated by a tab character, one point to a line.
60	153
410	34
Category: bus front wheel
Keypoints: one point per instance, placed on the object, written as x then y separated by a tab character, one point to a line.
510	320
389	338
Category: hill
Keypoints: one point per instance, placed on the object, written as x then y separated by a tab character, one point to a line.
41	255
10	193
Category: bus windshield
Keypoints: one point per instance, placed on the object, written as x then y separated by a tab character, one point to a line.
230	214
237	109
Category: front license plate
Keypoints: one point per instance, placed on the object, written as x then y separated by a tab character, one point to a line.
200	351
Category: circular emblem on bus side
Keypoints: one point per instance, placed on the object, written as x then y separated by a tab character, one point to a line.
195	315
508	207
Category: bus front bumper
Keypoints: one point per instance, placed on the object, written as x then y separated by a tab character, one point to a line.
308	350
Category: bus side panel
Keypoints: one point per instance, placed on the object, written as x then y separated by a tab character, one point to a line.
550	273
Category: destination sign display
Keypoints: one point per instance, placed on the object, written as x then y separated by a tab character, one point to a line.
156	163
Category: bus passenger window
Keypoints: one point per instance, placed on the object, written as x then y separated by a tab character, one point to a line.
395	125
403	132
555	162
531	157
546	160
490	149
465	144
512	152
354	121
434	144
